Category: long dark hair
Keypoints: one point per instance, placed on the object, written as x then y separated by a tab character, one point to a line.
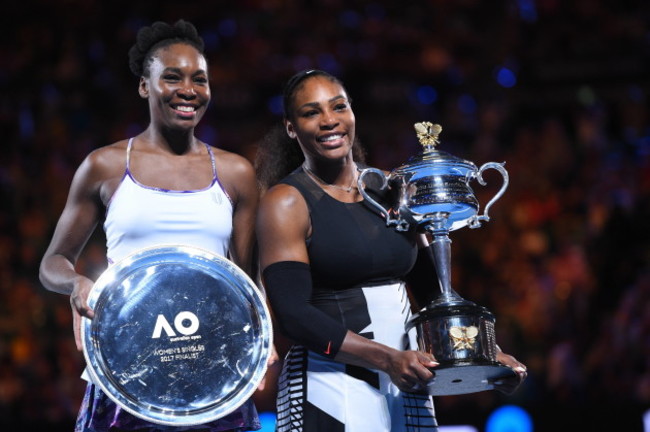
278	154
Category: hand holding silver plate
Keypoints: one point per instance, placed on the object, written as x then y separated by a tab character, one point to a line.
180	337
434	195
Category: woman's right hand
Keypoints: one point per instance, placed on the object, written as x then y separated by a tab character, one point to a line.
410	370
79	304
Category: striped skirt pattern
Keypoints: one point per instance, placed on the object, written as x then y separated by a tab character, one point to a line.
316	394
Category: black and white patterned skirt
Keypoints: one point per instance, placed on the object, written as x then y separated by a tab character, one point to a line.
317	394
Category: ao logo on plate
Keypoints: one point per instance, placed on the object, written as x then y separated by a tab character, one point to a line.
179	324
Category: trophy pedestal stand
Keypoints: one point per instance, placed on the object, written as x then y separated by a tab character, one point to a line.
461	338
459	333
462	378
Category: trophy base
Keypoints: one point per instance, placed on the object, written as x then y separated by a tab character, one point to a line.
466	378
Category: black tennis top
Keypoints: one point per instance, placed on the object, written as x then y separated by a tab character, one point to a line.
350	244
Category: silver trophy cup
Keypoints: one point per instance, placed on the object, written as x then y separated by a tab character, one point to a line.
433	194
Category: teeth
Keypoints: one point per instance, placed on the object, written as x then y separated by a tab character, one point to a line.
331	138
185	108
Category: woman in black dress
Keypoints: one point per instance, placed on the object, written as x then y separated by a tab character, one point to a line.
335	276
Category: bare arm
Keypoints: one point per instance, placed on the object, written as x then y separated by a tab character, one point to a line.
238	177
75	225
283	225
77	222
240	182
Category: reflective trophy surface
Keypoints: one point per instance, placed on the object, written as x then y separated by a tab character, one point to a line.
181	336
434	195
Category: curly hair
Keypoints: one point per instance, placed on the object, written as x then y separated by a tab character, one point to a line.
159	35
278	154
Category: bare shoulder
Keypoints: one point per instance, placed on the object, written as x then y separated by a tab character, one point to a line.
230	163
108	159
283	199
236	174
101	171
283	225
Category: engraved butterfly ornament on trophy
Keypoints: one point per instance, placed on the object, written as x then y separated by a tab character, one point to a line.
434	195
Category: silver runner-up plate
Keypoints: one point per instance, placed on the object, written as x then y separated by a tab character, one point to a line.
180	336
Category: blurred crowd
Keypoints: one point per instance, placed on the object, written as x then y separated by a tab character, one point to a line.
558	90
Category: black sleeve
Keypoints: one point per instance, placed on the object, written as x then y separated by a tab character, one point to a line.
288	286
422	280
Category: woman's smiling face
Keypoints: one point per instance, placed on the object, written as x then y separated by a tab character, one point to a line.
177	88
322	119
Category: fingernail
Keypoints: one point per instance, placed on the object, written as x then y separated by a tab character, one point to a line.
520	369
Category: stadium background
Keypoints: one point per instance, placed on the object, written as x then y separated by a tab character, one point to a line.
558	90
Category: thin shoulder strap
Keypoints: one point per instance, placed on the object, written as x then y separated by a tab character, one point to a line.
128	155
214	164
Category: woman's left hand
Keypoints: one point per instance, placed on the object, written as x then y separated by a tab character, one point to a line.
510	384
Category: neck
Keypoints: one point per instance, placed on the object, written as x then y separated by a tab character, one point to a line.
177	141
340	176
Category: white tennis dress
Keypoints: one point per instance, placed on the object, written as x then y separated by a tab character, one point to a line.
140	216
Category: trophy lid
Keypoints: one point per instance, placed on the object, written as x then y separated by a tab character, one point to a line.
431	158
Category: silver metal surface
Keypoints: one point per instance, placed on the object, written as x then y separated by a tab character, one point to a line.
461	338
456	333
432	183
433	194
471	377
180	336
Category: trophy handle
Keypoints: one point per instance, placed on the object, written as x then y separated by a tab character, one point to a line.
475	222
361	185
